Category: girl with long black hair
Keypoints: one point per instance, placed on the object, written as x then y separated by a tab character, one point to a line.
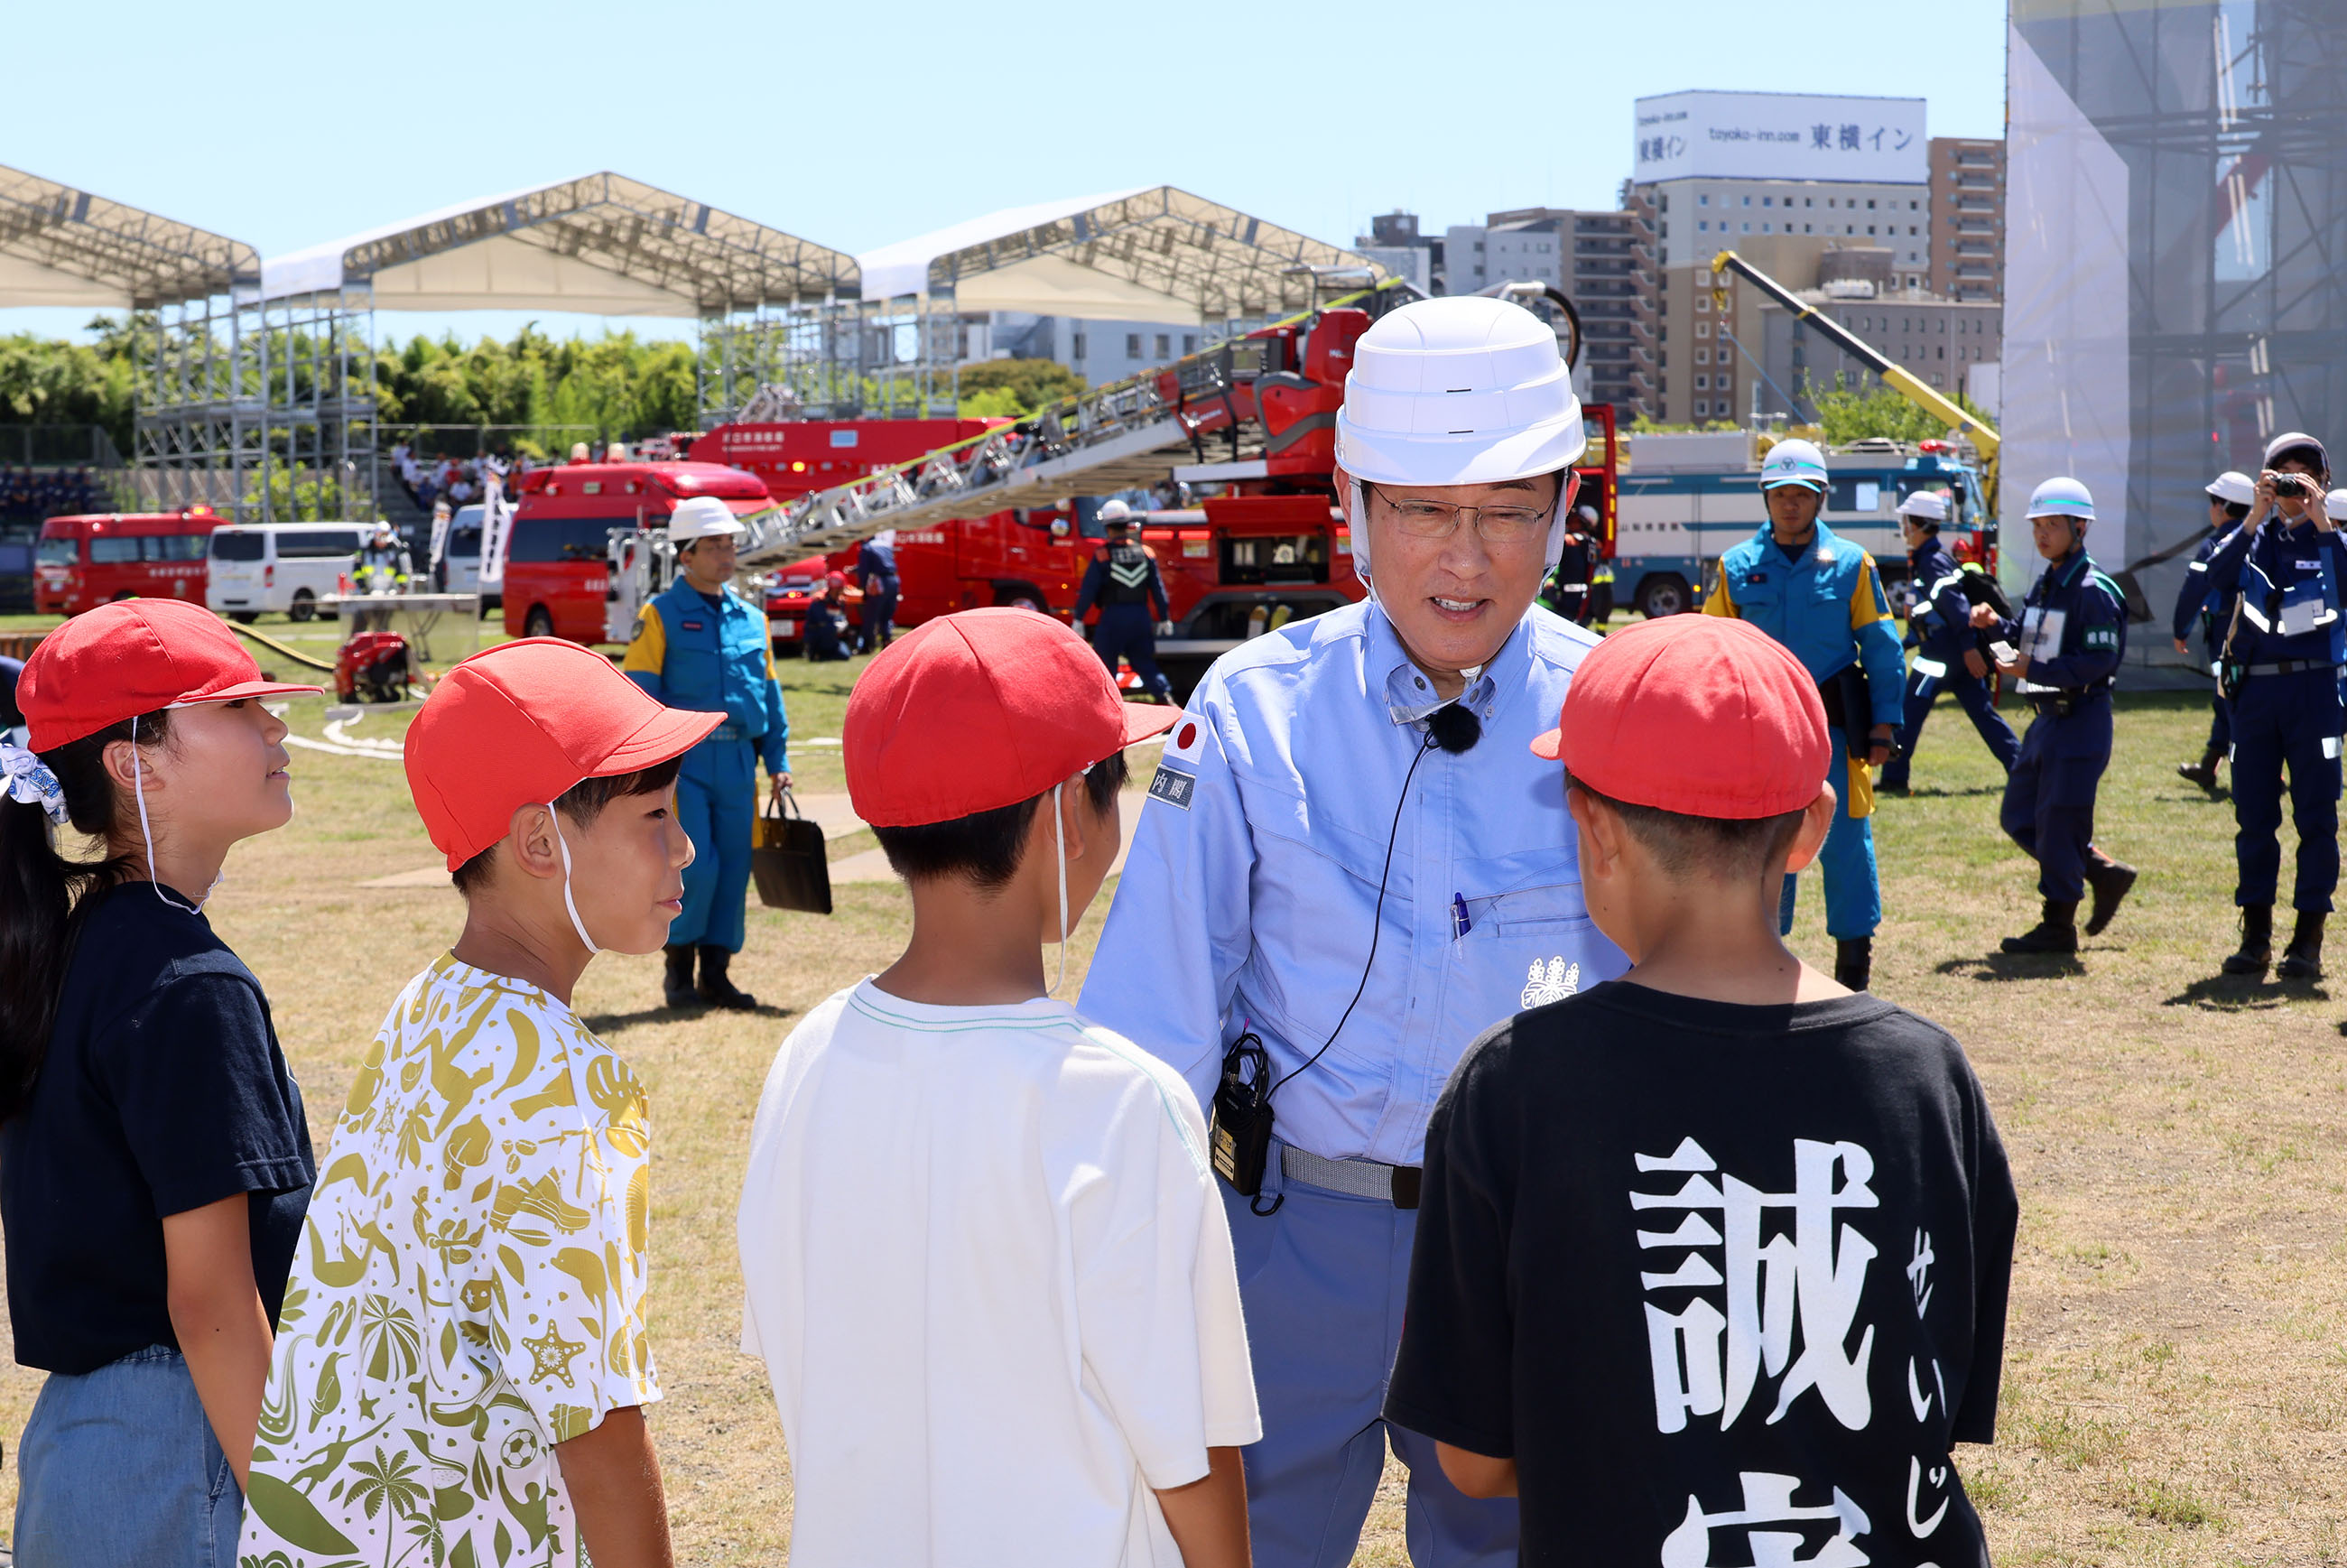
155	1161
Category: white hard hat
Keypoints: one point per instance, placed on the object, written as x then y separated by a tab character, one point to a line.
700	517
2334	505
1462	390
1794	462
1113	511
2293	440
2062	498
579	452
617	452
1925	507
1586	513
2234	488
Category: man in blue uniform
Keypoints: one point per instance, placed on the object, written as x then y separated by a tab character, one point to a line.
1822	598
824	636
2287	562
1124	580
2065	651
876	569
1350	865
701	646
2229	496
1947	655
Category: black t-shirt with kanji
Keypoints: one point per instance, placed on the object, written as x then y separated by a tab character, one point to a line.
1724	1281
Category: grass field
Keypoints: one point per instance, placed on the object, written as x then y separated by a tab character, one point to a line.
2176	1388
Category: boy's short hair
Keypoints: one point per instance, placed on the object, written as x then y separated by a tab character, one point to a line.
582	803
984	847
1731	849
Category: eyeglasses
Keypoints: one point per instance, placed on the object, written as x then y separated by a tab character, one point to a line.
1494	525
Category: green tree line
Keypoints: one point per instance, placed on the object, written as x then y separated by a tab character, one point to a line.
618	385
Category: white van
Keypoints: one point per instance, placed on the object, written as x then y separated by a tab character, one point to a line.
458	569
278	567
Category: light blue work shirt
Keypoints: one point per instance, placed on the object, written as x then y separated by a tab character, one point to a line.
1247	899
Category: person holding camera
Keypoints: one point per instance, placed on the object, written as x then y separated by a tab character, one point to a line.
2278	665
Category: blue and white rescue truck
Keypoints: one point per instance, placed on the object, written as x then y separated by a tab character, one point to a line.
1683	500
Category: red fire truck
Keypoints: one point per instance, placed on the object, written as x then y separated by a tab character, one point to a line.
82	562
558	569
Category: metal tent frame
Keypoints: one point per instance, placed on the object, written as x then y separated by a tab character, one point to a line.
191	293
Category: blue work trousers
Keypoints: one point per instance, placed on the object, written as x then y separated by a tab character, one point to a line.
2049	799
1126	628
716	797
1924	689
119	1466
1323	1282
2287	721
1853	890
879	616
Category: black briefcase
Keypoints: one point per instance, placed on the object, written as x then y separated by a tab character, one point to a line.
788	858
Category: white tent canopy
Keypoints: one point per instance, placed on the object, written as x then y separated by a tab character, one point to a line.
1151	253
601	245
60	246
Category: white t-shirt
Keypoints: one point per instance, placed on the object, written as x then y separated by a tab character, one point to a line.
991	1280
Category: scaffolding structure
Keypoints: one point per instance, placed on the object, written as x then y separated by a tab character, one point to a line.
2178	294
190	294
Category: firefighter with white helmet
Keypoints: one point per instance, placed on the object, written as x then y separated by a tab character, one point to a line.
2065	652
699	645
1343	875
1822	598
1947	658
2230	495
383	567
1125	581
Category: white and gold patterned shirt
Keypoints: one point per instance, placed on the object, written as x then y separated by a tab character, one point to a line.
469	1291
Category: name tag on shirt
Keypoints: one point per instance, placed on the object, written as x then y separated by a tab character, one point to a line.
2041	632
690	625
1172	785
2300	617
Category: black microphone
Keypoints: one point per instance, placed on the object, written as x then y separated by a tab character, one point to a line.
1453	728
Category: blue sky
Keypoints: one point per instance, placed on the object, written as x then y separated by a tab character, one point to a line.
299	123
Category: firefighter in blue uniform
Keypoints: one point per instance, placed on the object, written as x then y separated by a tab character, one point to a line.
1947	652
876	569
2287	562
1124	580
2066	652
701	646
2230	495
1821	598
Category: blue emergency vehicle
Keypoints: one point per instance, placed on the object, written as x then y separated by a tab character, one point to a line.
1671	527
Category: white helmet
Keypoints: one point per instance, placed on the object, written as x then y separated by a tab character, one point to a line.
2290	441
2234	488
2334	505
1114	511
579	452
617	452
700	517
2062	498
1462	390
1925	507
1794	461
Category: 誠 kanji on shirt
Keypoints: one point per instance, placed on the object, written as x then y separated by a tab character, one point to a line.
469	1291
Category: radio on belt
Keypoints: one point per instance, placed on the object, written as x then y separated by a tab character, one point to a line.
1240	1138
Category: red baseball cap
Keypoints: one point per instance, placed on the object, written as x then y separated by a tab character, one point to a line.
974	712
1699	714
132	657
521	722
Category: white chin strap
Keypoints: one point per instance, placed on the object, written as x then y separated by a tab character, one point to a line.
146	835
577	925
1059	854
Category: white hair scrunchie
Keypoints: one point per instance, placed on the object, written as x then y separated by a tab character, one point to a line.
30	781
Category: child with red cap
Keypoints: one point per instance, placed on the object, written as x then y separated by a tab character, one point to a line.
985	1261
1712	1261
463	1362
155	1158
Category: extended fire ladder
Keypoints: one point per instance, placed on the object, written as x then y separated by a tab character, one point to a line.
1122	436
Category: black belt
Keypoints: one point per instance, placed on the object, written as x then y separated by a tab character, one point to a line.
2287	667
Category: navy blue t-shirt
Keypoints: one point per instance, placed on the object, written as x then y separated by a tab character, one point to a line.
163	1089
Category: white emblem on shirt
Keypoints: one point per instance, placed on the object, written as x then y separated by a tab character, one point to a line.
1769	1500
1707	1356
1552	984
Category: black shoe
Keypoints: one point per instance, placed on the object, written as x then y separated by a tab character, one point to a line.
676	986
716	989
2257	941
2303	959
2202	772
2109	881
2057	932
1853	961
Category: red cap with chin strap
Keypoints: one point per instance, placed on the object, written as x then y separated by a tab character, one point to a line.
133	657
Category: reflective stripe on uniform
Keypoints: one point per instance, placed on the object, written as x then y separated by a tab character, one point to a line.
1931	667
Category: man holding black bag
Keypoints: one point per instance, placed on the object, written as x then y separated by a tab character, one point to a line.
1821	598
